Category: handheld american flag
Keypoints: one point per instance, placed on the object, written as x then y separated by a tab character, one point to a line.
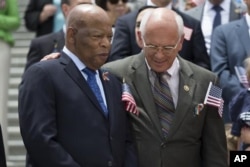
241	74
129	100
213	97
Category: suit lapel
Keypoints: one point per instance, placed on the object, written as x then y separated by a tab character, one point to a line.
186	91
142	86
108	95
242	31
77	77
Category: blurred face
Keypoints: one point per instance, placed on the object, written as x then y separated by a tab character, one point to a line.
91	42
137	25
161	3
216	2
72	3
247	2
119	7
161	46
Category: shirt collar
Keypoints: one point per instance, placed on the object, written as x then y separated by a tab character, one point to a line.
79	64
225	5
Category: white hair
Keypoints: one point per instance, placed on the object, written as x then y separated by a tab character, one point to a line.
146	16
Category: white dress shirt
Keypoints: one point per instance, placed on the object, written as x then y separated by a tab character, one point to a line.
208	19
79	64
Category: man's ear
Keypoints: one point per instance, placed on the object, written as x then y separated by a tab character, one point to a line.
139	42
71	33
181	42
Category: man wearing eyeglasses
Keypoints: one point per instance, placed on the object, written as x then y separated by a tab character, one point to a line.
174	128
124	43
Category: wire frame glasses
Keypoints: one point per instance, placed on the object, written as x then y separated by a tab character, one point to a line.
164	49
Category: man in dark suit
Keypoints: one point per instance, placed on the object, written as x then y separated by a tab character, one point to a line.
229	48
187	133
2	152
206	14
52	42
66	121
124	43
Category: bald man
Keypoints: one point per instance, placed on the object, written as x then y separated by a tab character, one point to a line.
64	121
171	132
52	42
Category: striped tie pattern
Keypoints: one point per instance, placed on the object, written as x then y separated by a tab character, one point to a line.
164	102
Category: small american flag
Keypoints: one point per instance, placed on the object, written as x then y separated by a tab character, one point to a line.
241	74
129	100
213	97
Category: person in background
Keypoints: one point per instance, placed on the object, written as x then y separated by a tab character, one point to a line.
83	121
124	42
136	4
189	4
239	109
168	91
141	12
229	48
114	8
43	16
206	14
9	21
52	42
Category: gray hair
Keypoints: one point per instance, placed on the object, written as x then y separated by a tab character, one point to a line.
178	19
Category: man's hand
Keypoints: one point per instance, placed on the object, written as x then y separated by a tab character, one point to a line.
245	135
48	11
51	56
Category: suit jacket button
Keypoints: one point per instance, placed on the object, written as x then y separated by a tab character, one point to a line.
163	145
110	163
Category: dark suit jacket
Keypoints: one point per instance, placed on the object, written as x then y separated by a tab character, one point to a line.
32	14
43	46
2	152
124	42
197	12
62	123
193	140
228	51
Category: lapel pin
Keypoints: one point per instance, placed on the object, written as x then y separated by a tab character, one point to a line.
186	88
198	109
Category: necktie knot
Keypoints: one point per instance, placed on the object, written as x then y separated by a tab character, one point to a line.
217	18
89	72
217	8
162	76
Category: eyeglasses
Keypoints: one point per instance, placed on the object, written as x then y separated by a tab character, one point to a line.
116	1
165	49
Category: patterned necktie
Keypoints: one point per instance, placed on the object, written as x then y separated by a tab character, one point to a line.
95	88
164	102
217	18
